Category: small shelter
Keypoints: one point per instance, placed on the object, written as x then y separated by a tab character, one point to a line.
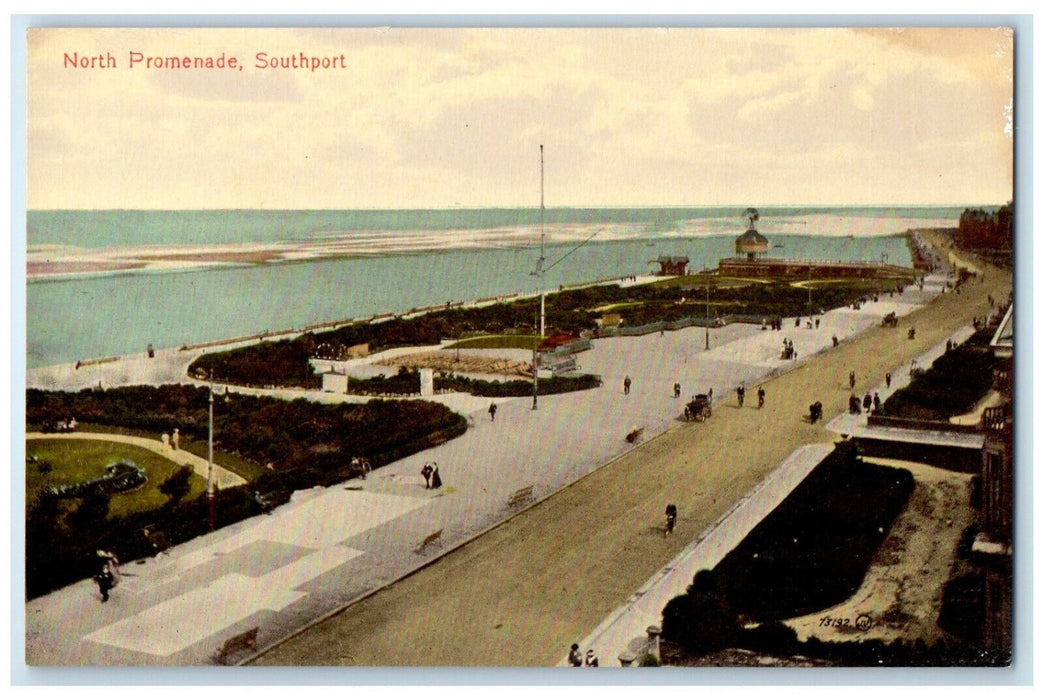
672	265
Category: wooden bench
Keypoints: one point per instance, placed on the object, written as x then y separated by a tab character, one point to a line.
237	646
523	495
433	537
157	539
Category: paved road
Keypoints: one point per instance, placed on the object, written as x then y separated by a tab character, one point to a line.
519	595
554	572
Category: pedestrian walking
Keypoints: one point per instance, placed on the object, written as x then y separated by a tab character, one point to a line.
677	390
867	402
740	391
888	380
761	396
109	574
877	402
174	439
426	473
436	480
492	412
817	324
710	396
575	658
851	380
627	385
106	581
833	339
591	660
672	516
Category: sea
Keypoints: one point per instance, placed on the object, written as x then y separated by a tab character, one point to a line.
341	264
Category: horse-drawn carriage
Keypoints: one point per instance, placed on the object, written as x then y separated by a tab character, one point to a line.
698	409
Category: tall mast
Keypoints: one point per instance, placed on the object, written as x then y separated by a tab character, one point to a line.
540	263
539	272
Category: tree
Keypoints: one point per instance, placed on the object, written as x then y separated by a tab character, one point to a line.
700	619
176	486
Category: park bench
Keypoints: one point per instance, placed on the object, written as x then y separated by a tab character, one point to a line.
237	647
430	539
157	539
523	495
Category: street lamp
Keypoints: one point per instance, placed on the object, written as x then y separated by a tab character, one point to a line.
211	486
211	506
706	326
810	290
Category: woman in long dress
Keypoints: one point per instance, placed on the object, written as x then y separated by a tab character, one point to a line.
436	480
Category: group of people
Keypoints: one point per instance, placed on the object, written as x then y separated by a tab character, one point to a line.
815	411
172	440
741	394
430	472
577	659
869	403
788	352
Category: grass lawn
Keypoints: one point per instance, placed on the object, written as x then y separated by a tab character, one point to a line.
75	461
237	465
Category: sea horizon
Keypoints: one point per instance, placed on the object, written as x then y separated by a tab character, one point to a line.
174	278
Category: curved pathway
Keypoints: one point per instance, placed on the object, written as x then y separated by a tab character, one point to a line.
223	478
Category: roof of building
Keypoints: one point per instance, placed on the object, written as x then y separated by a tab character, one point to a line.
752	237
1004	338
556	340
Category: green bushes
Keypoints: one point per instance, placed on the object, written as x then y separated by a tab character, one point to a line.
306	444
813	550
777	639
285	362
176	486
952	386
701	619
517	387
809	553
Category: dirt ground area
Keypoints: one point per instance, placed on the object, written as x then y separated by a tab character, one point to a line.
902	592
461	363
519	595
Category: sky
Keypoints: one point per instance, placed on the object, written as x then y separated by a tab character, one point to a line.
437	118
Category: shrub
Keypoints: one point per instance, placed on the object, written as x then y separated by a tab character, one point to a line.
648	659
774	638
176	486
92	512
700	619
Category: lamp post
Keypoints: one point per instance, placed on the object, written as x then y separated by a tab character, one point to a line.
211	506
706	327
810	290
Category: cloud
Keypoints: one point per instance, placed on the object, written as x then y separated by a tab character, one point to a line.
423	117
